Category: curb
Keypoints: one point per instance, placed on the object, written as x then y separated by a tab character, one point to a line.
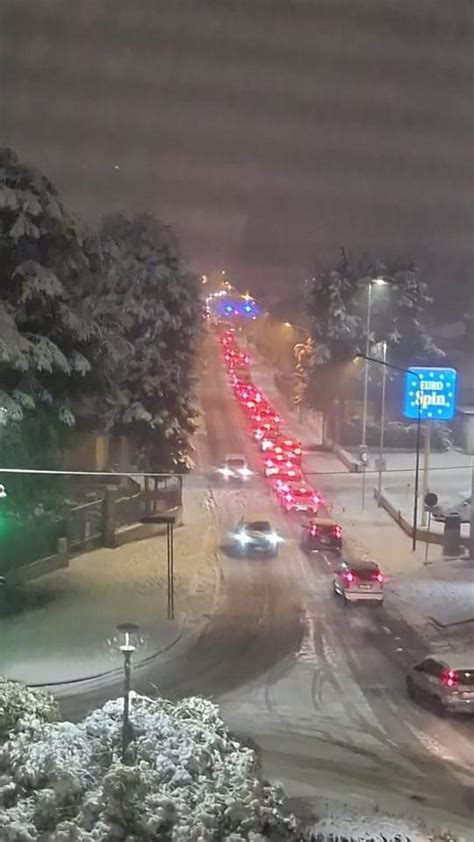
346	458
116	672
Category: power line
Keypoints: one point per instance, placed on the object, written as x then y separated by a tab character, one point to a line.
88	473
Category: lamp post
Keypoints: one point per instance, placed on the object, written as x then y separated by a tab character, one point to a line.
169	521
418	436
382	421
128	630
378	282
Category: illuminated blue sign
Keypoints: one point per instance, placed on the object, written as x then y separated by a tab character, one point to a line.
236	307
430	392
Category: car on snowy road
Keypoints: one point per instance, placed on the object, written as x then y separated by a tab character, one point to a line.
361	581
445	682
299	497
321	534
462	508
234	468
254	535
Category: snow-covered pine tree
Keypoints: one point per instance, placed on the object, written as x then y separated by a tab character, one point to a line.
158	308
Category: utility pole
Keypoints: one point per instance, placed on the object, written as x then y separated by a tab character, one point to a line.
426	467
382	422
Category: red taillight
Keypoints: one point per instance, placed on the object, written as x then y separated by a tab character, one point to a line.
337	532
313	531
297	451
450	678
288	497
379	577
269	463
349	577
316	499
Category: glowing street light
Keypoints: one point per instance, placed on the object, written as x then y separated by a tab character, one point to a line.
129	632
377	282
3	493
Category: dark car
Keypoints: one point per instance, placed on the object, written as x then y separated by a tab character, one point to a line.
322	534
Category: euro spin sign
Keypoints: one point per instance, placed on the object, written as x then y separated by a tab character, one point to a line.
434	389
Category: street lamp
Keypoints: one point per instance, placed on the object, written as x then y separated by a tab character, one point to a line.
129	632
418	434
3	493
382	421
377	282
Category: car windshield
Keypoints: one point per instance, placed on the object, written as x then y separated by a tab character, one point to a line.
259	526
235	463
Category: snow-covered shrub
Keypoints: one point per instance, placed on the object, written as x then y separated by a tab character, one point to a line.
22	707
189	780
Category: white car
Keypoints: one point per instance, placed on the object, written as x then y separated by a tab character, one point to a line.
255	535
461	508
361	581
234	468
445	682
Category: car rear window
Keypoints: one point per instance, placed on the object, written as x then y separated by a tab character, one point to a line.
236	463
365	574
260	526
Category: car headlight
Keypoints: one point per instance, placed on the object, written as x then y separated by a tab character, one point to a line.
274	539
225	472
242	538
245	473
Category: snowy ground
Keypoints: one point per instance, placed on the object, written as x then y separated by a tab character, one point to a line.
319	688
66	628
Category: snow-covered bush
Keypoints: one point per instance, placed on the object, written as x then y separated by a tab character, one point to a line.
189	780
21	707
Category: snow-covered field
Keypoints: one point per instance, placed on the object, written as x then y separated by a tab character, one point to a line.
187	779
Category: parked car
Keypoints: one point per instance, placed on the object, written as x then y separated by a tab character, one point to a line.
361	581
461	508
446	683
321	534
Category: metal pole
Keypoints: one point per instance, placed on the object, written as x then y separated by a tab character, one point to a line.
126	729
382	421
427	543
426	466
417	472
366	370
172	568
471	528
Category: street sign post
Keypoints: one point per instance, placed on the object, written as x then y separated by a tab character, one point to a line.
429	395
432	391
431	500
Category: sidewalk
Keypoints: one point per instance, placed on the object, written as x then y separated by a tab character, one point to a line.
436	595
65	627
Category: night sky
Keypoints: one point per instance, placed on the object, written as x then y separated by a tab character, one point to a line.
266	131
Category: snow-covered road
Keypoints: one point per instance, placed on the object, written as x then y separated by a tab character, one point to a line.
320	687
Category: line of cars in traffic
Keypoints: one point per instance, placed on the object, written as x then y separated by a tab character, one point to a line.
445	684
281	463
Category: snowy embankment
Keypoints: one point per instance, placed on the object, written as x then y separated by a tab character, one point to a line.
188	779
